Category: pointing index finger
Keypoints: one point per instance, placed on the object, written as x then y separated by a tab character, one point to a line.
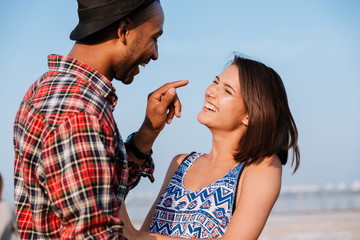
163	89
179	83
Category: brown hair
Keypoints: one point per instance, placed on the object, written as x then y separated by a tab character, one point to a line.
271	128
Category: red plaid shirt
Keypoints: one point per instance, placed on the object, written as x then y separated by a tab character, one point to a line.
71	168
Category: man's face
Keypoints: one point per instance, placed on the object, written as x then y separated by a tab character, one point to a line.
141	45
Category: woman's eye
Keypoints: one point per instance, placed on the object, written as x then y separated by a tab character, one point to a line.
228	91
215	82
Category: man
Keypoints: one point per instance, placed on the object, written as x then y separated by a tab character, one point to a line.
72	170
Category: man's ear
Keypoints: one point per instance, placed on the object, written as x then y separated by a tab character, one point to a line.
245	120
123	30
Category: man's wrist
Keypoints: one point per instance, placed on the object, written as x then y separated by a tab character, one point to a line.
130	144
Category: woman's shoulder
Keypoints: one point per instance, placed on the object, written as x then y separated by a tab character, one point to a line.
261	179
178	159
267	163
266	171
176	162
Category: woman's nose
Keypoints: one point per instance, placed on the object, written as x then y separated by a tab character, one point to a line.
211	91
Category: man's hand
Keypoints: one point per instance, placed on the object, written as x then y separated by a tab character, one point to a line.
163	104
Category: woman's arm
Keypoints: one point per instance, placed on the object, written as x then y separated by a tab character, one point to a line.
129	228
258	190
174	165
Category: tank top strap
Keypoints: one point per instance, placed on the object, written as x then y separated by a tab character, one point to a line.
187	162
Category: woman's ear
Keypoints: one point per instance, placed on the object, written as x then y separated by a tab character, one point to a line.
123	30
245	120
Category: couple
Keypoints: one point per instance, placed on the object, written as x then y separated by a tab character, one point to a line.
229	192
73	170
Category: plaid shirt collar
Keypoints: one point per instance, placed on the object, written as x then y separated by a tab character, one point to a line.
72	66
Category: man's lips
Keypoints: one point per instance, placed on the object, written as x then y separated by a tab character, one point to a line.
143	64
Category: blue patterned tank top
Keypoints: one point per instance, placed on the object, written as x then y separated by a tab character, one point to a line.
205	213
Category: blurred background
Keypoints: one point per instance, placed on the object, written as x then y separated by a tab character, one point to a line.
313	45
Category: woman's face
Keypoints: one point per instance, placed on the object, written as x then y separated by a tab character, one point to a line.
224	107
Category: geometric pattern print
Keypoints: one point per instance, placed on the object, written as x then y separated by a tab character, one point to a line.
205	213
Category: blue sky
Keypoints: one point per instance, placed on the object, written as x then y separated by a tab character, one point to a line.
313	45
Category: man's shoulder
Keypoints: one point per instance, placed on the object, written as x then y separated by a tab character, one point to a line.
56	90
57	96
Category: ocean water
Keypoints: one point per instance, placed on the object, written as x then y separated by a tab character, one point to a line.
317	201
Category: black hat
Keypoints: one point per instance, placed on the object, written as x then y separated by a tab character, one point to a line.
95	15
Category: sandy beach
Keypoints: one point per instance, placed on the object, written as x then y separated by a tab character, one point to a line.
310	225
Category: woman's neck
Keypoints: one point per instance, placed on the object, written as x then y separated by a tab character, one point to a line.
224	146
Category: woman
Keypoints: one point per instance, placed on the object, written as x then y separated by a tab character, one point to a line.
229	192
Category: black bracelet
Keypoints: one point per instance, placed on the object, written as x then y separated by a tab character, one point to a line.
131	145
